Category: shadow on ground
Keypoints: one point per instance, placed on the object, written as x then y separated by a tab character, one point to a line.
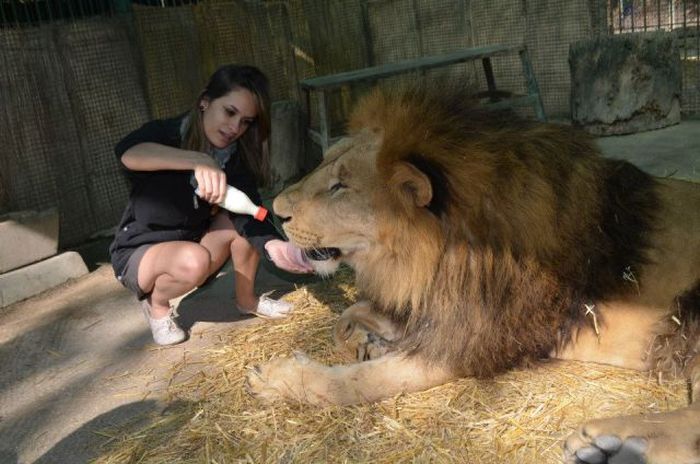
214	301
127	418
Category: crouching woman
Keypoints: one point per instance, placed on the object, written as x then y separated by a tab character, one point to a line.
171	239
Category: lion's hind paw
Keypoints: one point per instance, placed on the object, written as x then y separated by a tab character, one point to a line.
662	438
604	449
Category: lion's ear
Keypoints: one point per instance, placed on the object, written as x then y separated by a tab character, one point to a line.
411	181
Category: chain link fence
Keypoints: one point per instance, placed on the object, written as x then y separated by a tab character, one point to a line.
77	75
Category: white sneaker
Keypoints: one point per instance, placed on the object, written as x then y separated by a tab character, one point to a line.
270	308
165	330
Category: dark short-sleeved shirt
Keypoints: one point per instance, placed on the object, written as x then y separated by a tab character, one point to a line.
162	205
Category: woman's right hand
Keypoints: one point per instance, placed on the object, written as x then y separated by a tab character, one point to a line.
211	180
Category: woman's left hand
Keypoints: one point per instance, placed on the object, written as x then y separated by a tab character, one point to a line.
288	257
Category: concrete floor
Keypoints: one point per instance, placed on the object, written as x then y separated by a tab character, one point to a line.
79	358
670	152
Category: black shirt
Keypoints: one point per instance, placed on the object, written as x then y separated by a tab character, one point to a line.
163	207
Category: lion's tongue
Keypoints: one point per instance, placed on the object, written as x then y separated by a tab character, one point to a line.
322	254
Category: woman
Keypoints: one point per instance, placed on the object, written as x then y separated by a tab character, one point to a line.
171	240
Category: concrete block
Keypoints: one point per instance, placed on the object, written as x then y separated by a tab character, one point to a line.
625	83
27	237
22	283
288	158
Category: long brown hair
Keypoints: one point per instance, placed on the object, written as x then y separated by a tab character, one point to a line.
253	144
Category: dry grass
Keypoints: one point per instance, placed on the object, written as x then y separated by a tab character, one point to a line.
522	416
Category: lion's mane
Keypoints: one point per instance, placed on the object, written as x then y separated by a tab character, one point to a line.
527	224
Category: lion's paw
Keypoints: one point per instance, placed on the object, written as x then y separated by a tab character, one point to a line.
357	342
605	449
657	438
281	378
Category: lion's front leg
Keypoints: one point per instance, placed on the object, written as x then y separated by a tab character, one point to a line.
361	333
301	379
672	437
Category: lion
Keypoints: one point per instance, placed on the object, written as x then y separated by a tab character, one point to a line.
482	241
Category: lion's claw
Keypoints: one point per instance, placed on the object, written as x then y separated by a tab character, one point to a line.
257	383
254	372
301	357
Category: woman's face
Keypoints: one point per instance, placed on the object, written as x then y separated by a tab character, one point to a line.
227	118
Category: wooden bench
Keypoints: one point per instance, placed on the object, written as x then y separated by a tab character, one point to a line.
324	84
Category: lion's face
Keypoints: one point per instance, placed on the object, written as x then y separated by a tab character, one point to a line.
330	213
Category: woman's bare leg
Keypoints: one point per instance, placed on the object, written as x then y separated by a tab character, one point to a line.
169	269
245	266
223	242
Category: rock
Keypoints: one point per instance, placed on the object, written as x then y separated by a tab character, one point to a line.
625	83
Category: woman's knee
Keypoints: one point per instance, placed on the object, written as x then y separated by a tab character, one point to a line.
192	264
241	246
244	255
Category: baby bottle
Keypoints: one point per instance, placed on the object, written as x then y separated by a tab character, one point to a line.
238	202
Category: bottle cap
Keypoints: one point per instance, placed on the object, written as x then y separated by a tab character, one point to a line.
260	214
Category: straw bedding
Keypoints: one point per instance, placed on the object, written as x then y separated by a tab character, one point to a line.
522	416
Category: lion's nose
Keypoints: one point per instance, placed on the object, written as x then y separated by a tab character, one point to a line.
281	207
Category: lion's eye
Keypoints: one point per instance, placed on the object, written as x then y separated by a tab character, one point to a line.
334	188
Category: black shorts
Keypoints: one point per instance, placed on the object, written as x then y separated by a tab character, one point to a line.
130	275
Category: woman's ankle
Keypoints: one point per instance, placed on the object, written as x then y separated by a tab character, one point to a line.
158	311
247	305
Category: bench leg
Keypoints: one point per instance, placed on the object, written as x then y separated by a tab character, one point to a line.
307	106
490	81
532	88
324	123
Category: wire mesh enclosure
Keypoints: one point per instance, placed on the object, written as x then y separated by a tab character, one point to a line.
680	18
31	13
77	75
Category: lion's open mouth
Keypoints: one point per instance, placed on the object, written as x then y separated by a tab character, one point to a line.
322	254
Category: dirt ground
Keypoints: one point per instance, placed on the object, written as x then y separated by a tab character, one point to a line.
80	358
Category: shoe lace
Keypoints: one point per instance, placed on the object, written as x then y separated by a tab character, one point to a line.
171	324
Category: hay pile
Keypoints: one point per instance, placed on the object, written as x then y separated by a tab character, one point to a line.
522	416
